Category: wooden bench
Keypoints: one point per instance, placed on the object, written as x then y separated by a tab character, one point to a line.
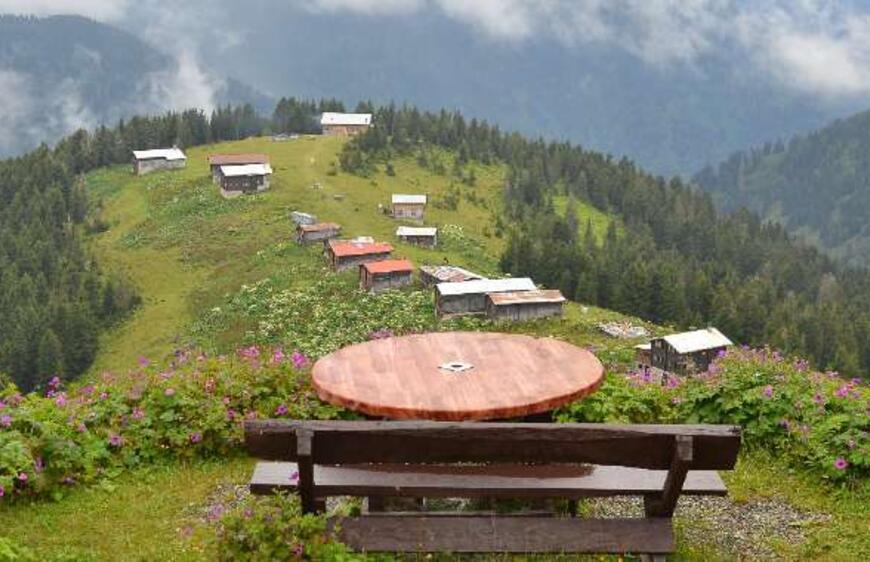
378	459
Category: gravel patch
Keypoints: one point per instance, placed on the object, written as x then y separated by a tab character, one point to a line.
743	531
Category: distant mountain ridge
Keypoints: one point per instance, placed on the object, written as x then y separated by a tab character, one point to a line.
61	73
816	185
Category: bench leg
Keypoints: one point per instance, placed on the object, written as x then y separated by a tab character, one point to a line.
572	508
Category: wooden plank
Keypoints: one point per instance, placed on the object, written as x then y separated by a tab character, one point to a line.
513	375
665	503
505	534
496	481
350	442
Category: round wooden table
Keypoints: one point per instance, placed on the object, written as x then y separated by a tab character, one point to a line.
455	376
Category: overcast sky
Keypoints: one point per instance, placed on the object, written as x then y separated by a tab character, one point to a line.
813	46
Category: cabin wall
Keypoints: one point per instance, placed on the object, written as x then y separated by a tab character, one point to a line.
522	311
379	282
408	211
316	236
344	130
423	241
142	167
474	303
243	184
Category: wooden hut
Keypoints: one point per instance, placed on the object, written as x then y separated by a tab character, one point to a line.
408	206
426	236
298	217
688	352
431	275
215	161
247	178
318	232
381	276
345	124
643	356
524	305
345	254
146	161
469	297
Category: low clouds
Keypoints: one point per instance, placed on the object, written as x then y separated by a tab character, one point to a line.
103	10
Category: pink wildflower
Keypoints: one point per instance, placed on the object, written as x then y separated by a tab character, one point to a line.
22	477
841	464
842	392
169	391
278	356
116	440
299	360
195	437
82	428
767	391
144	362
250	352
6	420
104	395
281	410
2	491
818	398
231	414
38	464
138	413
294	476
60	401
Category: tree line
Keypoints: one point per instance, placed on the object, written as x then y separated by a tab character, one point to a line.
669	255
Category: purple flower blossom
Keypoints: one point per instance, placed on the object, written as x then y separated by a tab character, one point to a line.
232	414
767	391
116	440
6	420
195	437
248	513
104	395
38	464
281	410
298	550
54	383
299	360
144	362
215	512
22	477
138	413
251	352
2	404
60	401
278	356
722	353
818	398
840	463
2	491
801	365
842	392
169	391
294	476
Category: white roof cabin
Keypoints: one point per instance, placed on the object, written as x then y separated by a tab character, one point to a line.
160	153
346	119
478	286
401	199
246	170
416	231
698	340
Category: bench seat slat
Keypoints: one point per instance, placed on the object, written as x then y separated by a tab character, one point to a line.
509	481
505	534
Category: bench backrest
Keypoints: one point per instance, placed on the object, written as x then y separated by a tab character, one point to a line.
711	447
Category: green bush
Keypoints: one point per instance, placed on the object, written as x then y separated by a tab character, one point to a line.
192	407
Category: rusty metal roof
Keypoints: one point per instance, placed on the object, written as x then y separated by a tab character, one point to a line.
388	266
345	248
450	273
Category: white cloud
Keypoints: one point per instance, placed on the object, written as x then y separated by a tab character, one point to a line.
368	7
503	19
185	86
103	10
17	105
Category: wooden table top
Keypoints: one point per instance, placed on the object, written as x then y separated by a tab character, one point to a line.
405	377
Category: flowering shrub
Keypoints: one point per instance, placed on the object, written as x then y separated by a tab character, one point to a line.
194	406
267	528
329	314
818	420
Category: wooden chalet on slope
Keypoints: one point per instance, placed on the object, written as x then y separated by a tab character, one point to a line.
411	207
345	124
524	305
215	161
384	275
318	232
431	275
425	236
247	178
469	297
347	254
298	217
688	352
147	161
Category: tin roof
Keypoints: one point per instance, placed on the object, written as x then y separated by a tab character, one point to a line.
330	118
159	153
450	273
697	340
416	231
409	199
345	248
319	227
527	297
246	170
236	159
486	286
388	266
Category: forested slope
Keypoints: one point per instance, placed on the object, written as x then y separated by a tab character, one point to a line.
817	186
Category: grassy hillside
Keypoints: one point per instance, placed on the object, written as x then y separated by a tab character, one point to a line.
187	249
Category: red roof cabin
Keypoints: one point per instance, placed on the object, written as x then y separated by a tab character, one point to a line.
384	275
347	254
